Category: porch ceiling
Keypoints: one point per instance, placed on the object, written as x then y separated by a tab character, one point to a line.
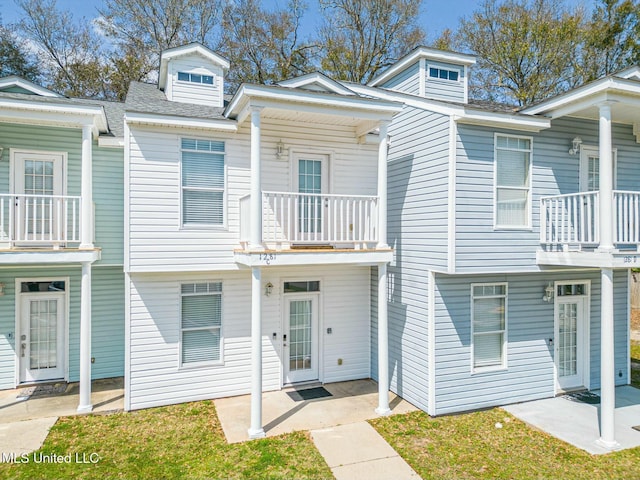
624	109
296	115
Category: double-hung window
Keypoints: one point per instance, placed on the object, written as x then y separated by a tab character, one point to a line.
512	181
203	182
489	325
201	323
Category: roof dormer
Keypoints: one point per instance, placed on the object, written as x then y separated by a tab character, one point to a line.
429	73
193	74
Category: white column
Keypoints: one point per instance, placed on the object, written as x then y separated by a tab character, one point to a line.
383	343
606	180
84	404
256	430
86	189
607	362
382	187
255	237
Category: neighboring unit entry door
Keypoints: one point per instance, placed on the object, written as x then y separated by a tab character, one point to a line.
38	176
41	343
571	336
300	340
311	178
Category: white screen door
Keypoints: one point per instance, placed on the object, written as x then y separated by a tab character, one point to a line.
311	177
41	343
570	338
301	341
590	169
37	178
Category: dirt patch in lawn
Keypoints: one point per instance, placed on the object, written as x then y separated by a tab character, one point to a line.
635	319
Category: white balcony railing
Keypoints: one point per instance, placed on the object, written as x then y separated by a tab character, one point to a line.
314	219
573	220
39	220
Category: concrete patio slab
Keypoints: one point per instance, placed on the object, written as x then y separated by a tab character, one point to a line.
350	402
577	423
357	451
107	395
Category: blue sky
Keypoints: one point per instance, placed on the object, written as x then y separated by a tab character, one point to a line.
436	16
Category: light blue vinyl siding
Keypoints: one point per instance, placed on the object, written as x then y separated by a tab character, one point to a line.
480	248
530	358
108	178
107	346
407	81
448	90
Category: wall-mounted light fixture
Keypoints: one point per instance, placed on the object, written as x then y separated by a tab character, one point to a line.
1	150
1	289
279	149
548	293
575	146
268	288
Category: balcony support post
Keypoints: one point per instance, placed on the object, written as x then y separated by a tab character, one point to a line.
382	186
86	189
383	343
84	405
606	180
255	428
255	236
607	362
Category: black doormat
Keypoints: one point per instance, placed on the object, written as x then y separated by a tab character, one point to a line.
584	397
43	390
309	394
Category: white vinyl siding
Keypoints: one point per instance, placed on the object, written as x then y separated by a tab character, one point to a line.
201	323
489	325
512	182
203	182
193	80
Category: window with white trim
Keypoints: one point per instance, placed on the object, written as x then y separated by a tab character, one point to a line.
203	182
512	181
488	325
201	323
444	74
196	78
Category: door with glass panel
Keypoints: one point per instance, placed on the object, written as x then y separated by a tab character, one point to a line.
312	182
37	179
40	346
571	335
300	340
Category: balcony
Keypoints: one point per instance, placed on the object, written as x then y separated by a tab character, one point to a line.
315	225
39	221
571	223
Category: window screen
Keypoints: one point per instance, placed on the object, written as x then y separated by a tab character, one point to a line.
489	324
201	322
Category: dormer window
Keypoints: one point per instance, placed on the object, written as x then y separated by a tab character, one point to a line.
195	78
444	74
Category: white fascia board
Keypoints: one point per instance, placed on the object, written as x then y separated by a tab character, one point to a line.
504	120
604	85
14	80
423	52
318	78
111	142
70	118
180	122
263	96
70	257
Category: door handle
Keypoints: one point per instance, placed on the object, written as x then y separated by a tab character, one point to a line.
23	347
284	340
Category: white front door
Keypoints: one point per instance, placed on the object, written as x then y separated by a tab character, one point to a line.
311	171
301	338
571	336
41	345
38	176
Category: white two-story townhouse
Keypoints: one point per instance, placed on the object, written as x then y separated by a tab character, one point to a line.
252	224
513	235
61	238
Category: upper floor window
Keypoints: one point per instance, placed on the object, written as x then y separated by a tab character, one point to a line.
512	182
443	74
195	78
489	325
203	182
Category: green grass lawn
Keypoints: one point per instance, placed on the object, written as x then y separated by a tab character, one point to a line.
470	446
180	441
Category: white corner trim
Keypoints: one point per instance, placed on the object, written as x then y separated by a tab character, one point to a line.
451	214
422	78
431	343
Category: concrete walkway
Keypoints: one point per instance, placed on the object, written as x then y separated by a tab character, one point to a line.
25	421
357	452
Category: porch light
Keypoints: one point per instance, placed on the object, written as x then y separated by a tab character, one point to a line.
268	288
1	289
548	293
576	142
279	149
